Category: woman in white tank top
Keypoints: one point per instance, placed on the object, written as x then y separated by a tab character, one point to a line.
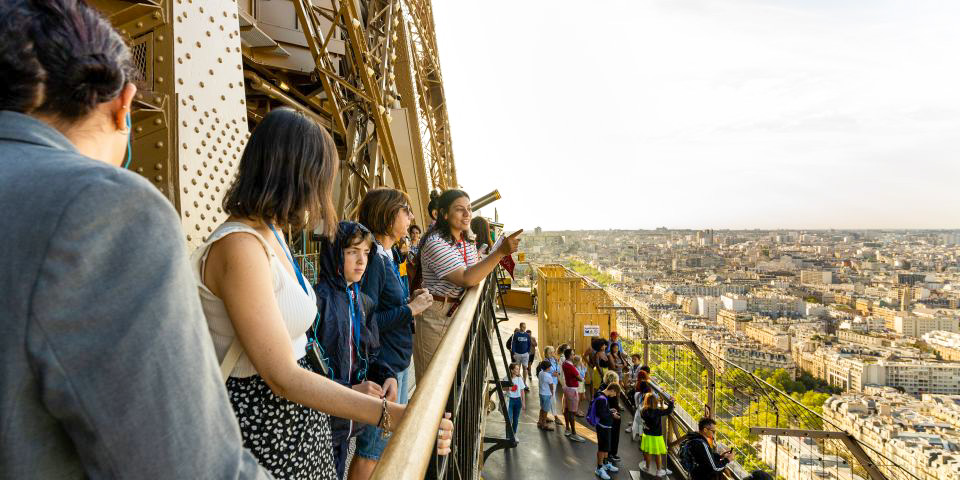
259	307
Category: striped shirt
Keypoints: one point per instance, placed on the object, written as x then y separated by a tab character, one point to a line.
440	258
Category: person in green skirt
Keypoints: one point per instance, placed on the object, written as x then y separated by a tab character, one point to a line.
652	444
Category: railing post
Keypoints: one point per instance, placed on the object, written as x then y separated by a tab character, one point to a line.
710	406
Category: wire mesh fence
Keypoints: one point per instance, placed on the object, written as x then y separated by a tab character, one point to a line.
740	401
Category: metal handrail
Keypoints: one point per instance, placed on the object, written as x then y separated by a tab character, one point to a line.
408	454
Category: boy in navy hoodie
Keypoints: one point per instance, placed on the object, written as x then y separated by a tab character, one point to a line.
345	330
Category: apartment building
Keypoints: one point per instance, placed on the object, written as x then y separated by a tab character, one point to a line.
848	335
844	298
768	335
916	326
740	350
904	429
855	369
816	277
946	344
708	307
733	321
797	458
734	302
888	315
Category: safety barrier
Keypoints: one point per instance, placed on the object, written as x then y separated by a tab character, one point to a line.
463	366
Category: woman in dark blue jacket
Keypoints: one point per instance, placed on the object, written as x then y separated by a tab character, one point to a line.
386	212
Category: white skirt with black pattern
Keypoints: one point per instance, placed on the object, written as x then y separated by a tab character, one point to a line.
290	440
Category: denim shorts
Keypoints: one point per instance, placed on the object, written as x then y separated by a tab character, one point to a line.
546	402
370	444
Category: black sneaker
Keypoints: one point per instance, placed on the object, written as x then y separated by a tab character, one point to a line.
614	458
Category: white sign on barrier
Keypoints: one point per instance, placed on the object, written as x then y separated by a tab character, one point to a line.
591	330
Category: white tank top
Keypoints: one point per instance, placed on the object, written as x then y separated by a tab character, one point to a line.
297	308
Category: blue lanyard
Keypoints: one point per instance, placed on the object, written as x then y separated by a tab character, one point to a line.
353	293
296	268
403	284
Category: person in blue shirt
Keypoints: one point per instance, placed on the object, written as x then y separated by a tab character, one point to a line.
386	212
520	348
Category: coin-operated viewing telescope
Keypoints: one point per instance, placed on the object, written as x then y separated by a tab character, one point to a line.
485	200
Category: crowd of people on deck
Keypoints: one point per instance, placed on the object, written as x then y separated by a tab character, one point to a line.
599	386
125	357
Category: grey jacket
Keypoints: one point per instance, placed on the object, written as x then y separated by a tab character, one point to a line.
106	366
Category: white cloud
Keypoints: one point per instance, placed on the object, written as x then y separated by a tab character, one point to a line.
719	113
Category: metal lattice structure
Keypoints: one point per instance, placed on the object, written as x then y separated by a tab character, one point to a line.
367	70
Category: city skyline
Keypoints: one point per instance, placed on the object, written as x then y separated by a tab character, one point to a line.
734	113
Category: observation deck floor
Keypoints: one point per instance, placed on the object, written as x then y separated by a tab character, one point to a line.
549	455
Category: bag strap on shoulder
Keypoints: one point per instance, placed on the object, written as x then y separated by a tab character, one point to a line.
231	358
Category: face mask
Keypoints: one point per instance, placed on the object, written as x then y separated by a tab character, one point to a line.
126	163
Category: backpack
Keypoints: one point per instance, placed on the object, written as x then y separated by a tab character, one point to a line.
592	418
687	460
510	343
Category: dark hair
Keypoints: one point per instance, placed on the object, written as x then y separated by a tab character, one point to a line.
432	205
379	207
481	228
61	58
567	354
361	235
287	170
414	226
704	423
636	355
759	475
615	387
645	368
599	343
543	365
442	226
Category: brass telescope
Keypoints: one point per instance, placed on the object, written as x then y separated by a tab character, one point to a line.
485	200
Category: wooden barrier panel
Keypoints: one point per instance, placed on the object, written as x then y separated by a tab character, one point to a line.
518	298
566	303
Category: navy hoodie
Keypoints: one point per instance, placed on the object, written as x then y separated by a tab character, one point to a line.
393	317
333	329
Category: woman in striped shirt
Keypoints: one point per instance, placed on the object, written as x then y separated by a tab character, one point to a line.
449	263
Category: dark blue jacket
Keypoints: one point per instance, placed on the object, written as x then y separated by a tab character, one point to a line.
393	317
332	330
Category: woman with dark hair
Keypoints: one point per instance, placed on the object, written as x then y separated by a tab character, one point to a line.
107	368
481	230
259	307
449	264
387	213
414	232
432	207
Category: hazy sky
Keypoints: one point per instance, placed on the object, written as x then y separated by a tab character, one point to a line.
710	113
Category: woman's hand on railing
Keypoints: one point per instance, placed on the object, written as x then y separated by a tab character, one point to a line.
445	435
420	301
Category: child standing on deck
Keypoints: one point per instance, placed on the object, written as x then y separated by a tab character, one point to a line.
515	395
547	382
652	444
603	417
